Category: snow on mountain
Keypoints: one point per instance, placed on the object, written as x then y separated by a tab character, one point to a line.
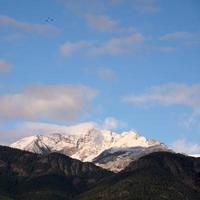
87	141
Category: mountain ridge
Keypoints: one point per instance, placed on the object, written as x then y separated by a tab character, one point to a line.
86	142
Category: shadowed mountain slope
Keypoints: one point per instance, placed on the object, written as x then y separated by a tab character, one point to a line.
25	175
158	176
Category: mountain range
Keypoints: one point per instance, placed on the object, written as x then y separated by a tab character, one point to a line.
54	176
86	162
87	142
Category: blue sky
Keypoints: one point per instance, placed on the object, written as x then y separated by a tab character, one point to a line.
131	64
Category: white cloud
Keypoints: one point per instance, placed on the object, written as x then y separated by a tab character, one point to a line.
170	94
119	45
111	123
183	146
5	66
47	102
70	47
184	37
27	27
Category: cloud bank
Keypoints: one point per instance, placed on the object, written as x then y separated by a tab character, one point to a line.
64	102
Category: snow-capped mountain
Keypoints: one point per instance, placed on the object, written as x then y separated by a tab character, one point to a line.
87	142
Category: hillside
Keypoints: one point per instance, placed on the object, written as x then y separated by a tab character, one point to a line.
158	176
25	175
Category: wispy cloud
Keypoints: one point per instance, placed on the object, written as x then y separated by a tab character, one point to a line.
68	48
144	6
5	66
27	27
113	46
47	102
105	73
105	24
183	146
170	94
128	41
111	123
189	121
119	45
88	6
184	95
184	37
96	6
101	22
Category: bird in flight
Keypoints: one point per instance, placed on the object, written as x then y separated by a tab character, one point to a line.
49	19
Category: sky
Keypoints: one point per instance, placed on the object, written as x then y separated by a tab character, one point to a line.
123	64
